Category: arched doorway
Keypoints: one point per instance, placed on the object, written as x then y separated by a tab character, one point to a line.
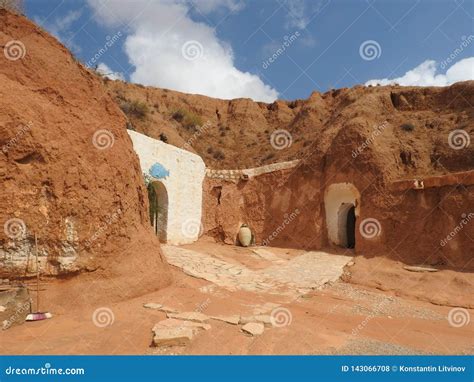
342	204
158	201
346	225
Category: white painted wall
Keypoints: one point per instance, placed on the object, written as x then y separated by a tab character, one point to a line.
335	196
184	185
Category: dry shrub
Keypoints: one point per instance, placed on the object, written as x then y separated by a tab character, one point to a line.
135	109
187	119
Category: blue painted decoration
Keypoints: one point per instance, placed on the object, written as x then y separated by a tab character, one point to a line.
158	171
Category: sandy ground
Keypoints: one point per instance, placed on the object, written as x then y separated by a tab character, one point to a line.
340	318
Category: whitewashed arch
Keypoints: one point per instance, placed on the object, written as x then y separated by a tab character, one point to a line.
338	200
183	186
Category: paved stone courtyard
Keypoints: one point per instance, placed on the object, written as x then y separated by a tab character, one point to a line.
295	276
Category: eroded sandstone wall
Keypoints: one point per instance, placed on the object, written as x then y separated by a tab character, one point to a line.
68	171
434	225
230	202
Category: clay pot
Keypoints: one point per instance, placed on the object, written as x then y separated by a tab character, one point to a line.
245	235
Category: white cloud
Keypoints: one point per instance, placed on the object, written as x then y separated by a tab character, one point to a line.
426	74
60	27
170	50
308	41
297	17
64	23
301	12
208	6
104	70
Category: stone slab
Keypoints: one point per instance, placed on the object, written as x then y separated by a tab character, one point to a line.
152	305
419	269
234	320
262	318
253	328
189	316
173	323
172	336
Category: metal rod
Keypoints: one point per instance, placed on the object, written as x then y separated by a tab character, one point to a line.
37	276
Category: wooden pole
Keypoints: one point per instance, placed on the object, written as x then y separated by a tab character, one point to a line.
37	276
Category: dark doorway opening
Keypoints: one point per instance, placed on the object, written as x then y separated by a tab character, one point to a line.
350	227
346	220
158	202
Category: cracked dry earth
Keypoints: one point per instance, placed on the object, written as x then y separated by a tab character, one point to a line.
222	302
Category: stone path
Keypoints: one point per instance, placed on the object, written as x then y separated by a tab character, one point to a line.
222	273
310	270
267	255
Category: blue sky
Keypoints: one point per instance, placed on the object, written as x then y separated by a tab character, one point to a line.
267	48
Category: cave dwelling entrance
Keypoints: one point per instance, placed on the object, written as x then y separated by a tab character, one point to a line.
158	202
342	203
